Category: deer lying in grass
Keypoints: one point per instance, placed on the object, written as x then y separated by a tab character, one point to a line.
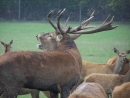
56	71
89	90
122	91
7	47
108	81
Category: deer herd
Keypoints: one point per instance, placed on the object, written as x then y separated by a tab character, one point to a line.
59	69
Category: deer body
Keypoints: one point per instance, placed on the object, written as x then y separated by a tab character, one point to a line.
54	70
122	91
108	81
89	67
34	93
89	90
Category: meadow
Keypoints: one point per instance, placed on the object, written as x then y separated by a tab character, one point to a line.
97	48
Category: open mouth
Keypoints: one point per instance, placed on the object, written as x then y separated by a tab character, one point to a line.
39	46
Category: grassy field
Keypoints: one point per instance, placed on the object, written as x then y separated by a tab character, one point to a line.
97	48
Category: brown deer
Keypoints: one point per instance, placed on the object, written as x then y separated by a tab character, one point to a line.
34	93
89	90
7	47
124	66
52	45
56	71
122	91
108	81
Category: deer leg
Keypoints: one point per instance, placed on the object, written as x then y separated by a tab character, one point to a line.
35	94
79	82
1	89
11	91
65	92
47	94
53	94
3	96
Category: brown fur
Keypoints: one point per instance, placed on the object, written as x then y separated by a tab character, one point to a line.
56	71
7	47
34	93
112	60
125	67
89	67
108	81
89	90
122	91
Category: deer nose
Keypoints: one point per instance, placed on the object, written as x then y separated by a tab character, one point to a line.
36	35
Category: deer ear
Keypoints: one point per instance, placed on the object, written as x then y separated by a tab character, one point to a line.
116	51
128	51
59	37
2	43
74	36
11	42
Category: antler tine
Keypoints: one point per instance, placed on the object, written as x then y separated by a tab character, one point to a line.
86	22
82	25
48	18
61	13
58	12
68	19
58	23
112	19
92	13
50	13
106	25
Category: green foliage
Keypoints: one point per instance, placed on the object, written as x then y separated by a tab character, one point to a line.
38	9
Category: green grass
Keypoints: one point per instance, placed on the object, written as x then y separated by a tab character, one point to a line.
97	48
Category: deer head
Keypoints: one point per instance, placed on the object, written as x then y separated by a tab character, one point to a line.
7	46
121	59
49	41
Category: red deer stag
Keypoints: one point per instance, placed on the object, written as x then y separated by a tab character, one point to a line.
89	90
48	41
7	47
55	71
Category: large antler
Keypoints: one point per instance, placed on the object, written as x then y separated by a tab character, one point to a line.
106	25
48	18
82	26
61	29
